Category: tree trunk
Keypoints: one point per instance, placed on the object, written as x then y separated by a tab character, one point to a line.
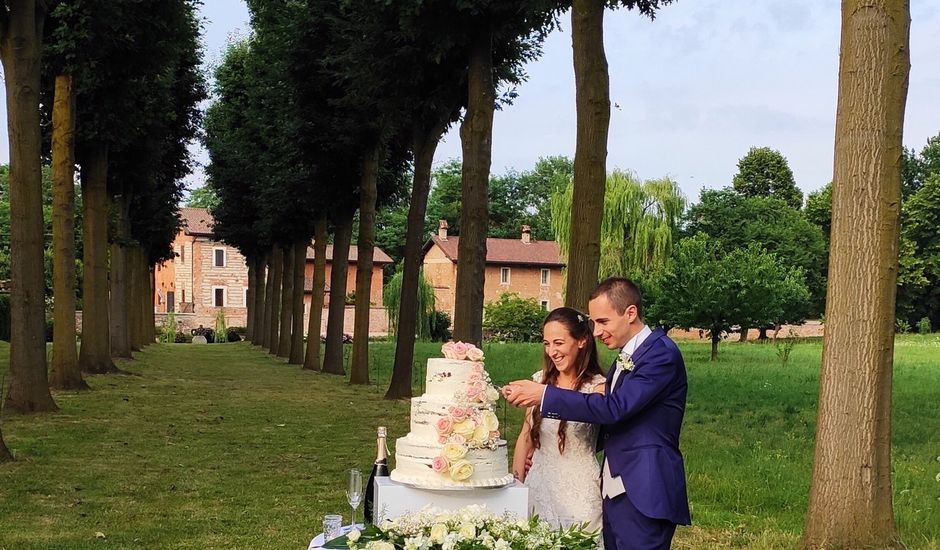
119	296
592	98
287	302
94	356
258	301
339	267
249	307
744	331
312	354
20	49
268	300
135	296
296	356
65	374
424	144
368	193
476	138
277	266
850	498
145	308
152	284
5	454
716	338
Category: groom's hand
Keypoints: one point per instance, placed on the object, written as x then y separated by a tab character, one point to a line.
524	393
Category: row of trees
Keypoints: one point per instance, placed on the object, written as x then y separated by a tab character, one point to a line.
305	133
94	85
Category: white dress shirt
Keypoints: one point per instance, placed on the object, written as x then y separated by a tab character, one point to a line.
613	485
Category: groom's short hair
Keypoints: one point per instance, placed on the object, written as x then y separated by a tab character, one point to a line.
621	293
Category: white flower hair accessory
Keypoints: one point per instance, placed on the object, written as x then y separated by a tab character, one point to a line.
625	362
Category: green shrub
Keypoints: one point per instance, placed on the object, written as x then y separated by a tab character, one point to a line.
221	332
901	326
440	326
923	326
168	331
514	319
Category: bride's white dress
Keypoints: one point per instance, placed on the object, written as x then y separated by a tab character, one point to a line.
565	488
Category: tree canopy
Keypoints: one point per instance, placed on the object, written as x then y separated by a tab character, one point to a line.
765	172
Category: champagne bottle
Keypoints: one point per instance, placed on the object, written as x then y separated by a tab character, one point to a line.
379	469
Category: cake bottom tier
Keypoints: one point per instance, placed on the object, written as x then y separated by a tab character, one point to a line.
413	458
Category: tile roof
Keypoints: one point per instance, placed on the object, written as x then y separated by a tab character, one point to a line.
506	251
197	221
379	257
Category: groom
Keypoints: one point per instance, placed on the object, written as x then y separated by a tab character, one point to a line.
641	414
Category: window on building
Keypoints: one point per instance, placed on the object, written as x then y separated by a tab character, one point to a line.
246	296
544	304
545	277
218	296
184	294
218	257
504	275
182	254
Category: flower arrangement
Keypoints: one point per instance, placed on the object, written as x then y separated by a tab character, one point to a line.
462	351
470	528
470	423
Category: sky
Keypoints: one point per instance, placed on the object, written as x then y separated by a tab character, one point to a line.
691	91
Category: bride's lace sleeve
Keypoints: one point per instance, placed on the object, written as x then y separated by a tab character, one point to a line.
593	383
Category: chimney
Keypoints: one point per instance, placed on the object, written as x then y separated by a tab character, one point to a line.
442	229
526	234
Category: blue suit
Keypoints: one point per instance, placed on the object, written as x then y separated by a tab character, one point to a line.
641	419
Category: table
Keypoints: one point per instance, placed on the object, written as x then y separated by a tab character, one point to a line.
393	499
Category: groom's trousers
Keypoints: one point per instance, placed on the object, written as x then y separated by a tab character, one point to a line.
625	528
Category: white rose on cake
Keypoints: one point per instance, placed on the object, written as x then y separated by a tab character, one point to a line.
490	420
461	470
480	435
453	452
465	427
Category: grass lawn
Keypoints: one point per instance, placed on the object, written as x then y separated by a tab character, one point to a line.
222	446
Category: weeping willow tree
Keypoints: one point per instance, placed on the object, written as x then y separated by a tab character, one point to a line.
391	299
640	219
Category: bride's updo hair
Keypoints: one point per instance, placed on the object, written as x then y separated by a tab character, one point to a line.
586	365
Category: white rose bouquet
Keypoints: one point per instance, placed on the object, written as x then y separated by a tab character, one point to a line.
470	528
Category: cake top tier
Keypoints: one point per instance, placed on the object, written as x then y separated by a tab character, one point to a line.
460	376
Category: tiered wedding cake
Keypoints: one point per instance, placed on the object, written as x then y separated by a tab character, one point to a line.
454	440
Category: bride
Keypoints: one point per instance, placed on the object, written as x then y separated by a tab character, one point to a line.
565	478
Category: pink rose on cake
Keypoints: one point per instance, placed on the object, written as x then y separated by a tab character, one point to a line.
476	392
460	349
474	354
459	413
440	464
448	350
458	439
445	425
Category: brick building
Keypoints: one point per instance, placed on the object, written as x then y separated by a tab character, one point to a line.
206	276
529	268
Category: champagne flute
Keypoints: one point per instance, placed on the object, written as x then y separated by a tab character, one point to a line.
354	491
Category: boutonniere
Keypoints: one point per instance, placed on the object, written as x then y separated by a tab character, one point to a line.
625	362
